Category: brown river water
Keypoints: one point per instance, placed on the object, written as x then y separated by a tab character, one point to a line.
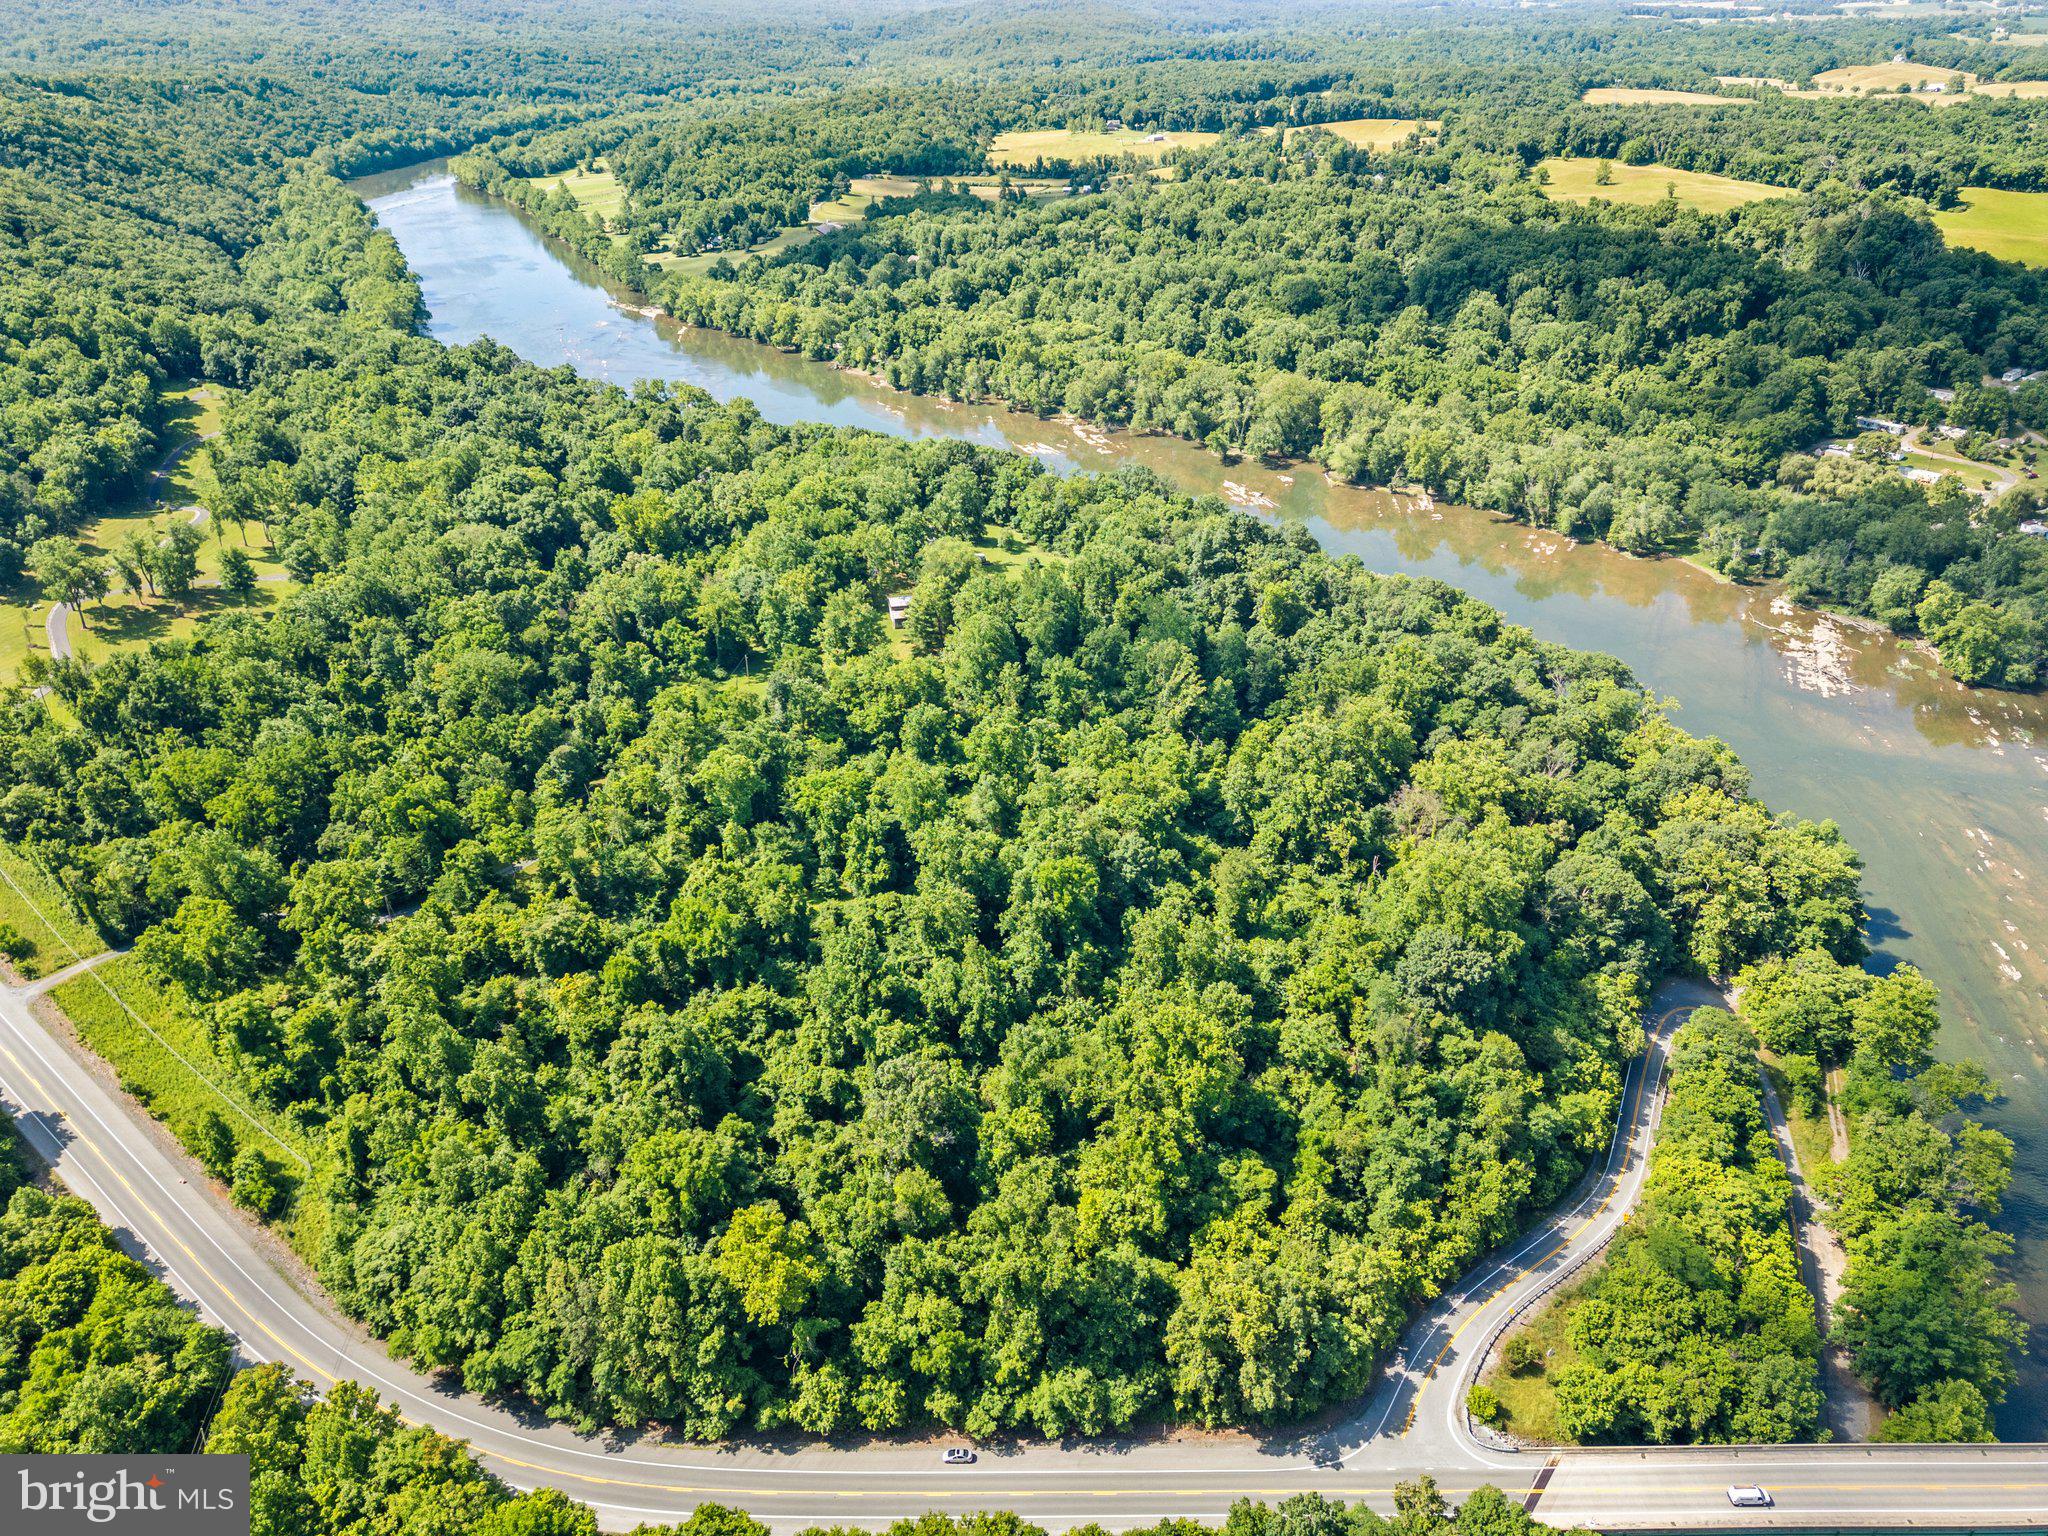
1943	789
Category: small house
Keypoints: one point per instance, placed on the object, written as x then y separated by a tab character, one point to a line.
899	609
1112	125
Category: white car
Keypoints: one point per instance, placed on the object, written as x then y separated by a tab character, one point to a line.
1748	1496
958	1456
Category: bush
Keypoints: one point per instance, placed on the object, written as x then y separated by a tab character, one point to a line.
1483	1403
1802	1082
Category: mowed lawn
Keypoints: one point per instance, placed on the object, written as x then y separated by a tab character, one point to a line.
121	620
2012	226
1572	181
1643	96
596	191
1029	146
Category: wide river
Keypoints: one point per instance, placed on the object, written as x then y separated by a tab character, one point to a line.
1944	791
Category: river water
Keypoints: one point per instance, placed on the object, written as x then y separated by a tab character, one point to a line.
1944	790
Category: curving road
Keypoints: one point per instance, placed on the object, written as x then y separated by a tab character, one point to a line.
109	1151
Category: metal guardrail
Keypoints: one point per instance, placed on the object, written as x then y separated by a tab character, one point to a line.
1486	1434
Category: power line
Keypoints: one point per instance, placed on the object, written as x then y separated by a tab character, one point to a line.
149	1029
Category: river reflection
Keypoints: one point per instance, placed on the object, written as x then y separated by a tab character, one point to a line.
1944	790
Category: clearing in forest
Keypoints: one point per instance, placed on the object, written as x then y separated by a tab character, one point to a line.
121	620
597	191
1642	96
1367	132
1054	145
2025	89
2012	226
1574	181
1863	79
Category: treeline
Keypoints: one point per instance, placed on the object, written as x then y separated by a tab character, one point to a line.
1926	1316
1642	376
1697	1327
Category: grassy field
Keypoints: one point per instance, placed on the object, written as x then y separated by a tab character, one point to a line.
1366	132
164	1059
125	621
1974	475
52	934
1641	96
865	191
2012	226
1529	1402
1029	146
597	191
1862	79
704	261
1571	180
2024	89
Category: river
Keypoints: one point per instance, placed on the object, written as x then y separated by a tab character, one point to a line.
1944	790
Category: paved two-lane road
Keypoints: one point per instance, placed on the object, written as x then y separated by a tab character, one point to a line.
110	1152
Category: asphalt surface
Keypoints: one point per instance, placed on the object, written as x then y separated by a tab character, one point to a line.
109	1151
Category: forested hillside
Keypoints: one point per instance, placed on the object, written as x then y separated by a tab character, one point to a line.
1122	994
1641	377
1150	974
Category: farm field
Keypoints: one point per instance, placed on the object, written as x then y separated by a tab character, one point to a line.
2012	226
1571	180
1030	146
1640	96
1865	78
2024	89
1366	132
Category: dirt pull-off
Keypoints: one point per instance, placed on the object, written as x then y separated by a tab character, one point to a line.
1851	1413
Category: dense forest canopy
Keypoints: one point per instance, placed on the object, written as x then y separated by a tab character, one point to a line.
692	992
672	993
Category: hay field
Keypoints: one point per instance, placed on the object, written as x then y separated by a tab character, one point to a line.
1571	181
1645	96
1029	146
2012	226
